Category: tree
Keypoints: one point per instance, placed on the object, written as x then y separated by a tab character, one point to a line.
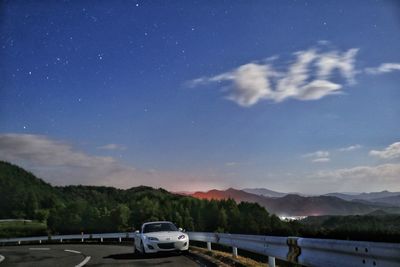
42	215
120	217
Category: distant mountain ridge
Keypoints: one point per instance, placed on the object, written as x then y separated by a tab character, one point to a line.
383	198
365	196
264	192
392	200
296	205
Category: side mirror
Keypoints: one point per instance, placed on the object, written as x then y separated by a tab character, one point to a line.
180	229
137	231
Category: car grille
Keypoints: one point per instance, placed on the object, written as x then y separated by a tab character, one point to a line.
166	245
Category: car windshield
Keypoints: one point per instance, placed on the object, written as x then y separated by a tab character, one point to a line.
159	227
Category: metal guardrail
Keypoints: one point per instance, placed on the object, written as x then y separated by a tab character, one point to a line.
304	251
308	251
62	238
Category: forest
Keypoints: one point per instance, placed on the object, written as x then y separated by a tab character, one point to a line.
91	209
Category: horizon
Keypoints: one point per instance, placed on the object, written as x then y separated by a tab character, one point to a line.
211	189
297	96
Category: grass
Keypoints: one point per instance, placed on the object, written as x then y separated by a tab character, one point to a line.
226	258
22	228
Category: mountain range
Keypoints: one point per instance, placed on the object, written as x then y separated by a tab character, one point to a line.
264	192
20	190
284	204
383	197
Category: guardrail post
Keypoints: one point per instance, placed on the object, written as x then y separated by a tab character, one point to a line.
209	246
101	239
82	239
119	240
234	252
40	241
271	261
19	242
294	249
60	240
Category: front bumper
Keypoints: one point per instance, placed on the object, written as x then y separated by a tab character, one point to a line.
158	246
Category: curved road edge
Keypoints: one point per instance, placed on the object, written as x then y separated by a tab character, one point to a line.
86	260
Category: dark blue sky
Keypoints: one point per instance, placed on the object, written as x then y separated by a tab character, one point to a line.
186	95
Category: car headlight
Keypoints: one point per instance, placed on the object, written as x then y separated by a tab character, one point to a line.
152	238
181	237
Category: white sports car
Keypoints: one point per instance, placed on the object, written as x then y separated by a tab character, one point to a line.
160	236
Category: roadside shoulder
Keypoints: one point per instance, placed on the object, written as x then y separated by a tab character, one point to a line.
223	259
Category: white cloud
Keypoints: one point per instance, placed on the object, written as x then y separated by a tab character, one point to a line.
112	147
251	83
330	61
379	173
308	77
390	152
41	150
321	160
355	179
318	156
60	164
384	68
350	148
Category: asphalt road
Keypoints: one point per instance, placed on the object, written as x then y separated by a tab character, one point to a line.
88	255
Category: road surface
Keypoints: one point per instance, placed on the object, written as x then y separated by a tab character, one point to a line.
88	255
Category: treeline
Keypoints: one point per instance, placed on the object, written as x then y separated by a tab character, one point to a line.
105	210
382	228
90	209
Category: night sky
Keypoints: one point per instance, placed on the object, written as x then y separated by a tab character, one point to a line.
294	96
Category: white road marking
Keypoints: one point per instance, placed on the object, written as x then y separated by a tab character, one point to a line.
2	258
39	248
86	260
72	251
